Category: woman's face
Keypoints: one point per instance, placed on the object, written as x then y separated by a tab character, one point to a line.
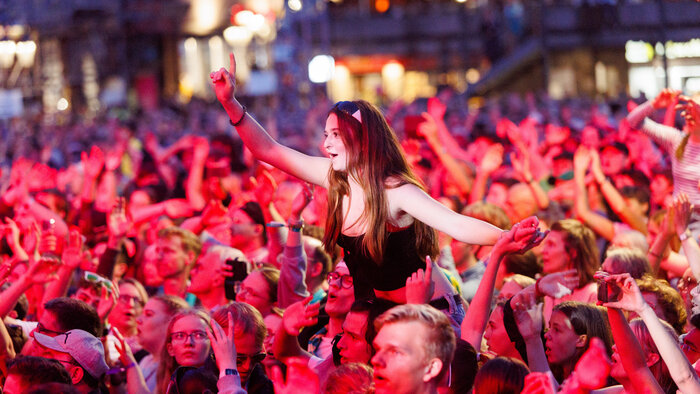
334	145
189	343
149	326
561	340
617	371
255	292
496	336
555	257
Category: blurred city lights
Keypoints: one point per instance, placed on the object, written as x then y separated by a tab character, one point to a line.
7	53
237	35
25	53
392	70
62	104
244	18
294	5
381	5
321	68
473	75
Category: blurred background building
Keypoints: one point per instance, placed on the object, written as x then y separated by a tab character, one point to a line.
85	54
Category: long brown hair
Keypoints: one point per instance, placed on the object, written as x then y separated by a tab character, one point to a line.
374	156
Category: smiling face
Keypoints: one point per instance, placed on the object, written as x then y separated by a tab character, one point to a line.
334	145
193	348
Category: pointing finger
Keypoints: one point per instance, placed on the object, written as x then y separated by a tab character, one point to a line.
232	68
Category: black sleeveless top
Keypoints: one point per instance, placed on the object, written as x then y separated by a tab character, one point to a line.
401	260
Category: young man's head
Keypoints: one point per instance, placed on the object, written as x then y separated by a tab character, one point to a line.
414	347
207	274
248	227
81	353
177	249
63	314
27	372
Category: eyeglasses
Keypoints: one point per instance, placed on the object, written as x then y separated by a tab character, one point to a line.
97	280
349	108
181	336
254	359
127	299
345	280
43	330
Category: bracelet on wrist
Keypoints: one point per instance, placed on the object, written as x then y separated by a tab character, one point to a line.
295	225
238	123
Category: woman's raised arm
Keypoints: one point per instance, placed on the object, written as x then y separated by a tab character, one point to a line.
412	200
258	141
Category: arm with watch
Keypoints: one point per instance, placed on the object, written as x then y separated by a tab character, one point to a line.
292	286
225	354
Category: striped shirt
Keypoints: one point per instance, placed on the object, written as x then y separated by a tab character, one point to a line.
686	172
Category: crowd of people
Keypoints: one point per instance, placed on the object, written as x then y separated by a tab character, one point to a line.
519	245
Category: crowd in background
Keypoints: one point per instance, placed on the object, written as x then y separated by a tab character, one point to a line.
149	252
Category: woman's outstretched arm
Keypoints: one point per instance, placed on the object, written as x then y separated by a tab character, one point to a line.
258	141
414	201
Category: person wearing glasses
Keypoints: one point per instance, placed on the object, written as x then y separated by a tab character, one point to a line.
249	332
378	210
186	344
128	308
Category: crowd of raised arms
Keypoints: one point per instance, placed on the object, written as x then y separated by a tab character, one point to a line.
518	244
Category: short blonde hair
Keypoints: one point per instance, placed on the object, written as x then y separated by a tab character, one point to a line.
190	242
441	342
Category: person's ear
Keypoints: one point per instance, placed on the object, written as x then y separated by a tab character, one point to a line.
76	375
432	370
258	229
582	340
652	358
191	258
316	269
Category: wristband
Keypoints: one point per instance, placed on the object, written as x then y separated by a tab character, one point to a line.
295	225
236	124
686	234
228	372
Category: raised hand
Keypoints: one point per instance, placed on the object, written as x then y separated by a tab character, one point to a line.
92	164
108	299
300	378
222	344
436	108
582	160
264	187
72	255
118	224
41	271
113	159
522	237
428	127
682	209
214	213
299	315
225	81
302	200
126	356
528	315
520	161
665	98
630	298
420	286
558	284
